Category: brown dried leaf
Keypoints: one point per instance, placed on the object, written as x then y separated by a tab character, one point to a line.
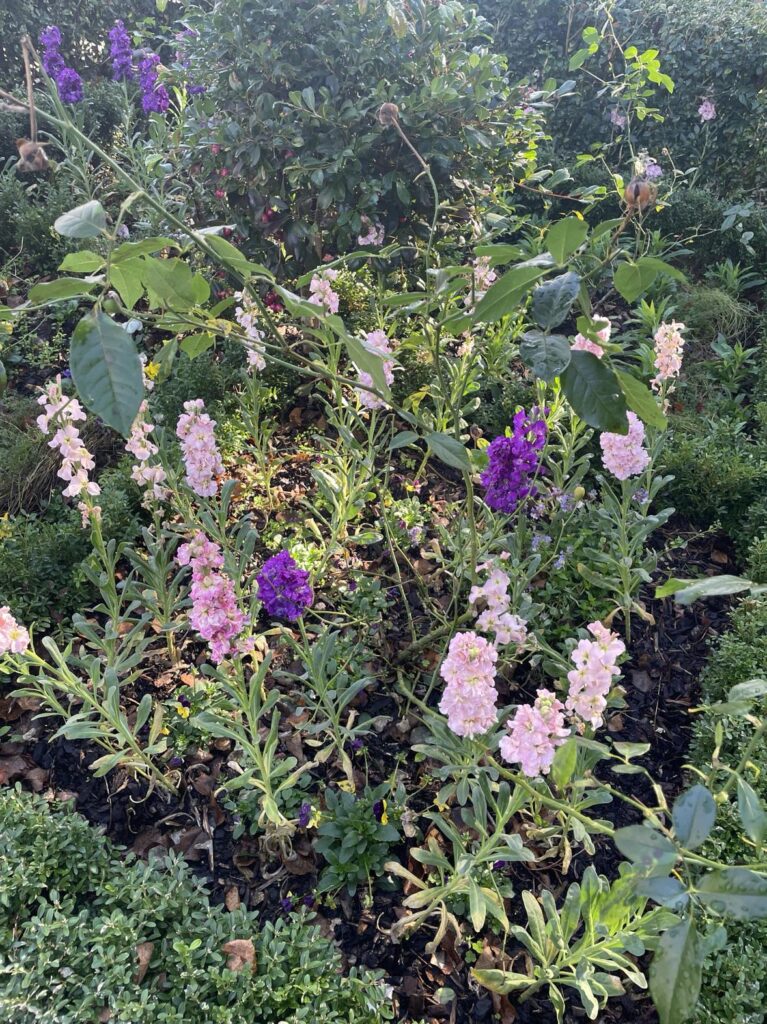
11	768
232	898
144	952
241	953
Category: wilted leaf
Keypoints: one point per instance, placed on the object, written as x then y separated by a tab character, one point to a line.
241	953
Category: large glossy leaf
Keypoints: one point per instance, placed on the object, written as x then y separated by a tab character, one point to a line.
194	345
86	221
173	285
504	296
127	277
687	591
641	400
553	300
693	816
752	812
84	262
633	279
232	256
367	361
565	237
735	891
547	355
675	973
594	392
106	370
61	288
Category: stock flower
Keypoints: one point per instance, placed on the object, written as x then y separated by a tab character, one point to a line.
320	291
283	588
245	315
154	97
14	639
653	170
375	232
215	614
52	61
618	118
623	454
76	461
482	277
584	344
707	111
120	53
375	341
511	463
70	86
201	456
469	699
591	679
150	477
669	345
535	732
496	617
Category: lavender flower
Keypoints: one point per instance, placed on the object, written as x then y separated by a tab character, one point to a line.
512	461
70	86
653	170
284	588
121	53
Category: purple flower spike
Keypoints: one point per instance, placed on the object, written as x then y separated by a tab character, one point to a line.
284	588
512	461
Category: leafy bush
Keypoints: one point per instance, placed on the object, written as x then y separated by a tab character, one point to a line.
74	916
27	211
294	114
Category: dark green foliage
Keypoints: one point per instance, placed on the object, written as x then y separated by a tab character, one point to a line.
28	209
297	122
718	469
356	838
72	912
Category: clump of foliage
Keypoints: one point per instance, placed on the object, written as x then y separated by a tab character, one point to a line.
85	929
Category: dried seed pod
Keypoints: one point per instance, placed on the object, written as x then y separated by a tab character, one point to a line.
31	156
639	194
388	113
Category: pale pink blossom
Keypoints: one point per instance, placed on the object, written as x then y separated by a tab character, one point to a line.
707	111
496	618
321	291
623	454
14	639
374	232
584	344
469	699
215	614
592	678
483	276
669	345
377	342
245	314
535	732
60	415
203	463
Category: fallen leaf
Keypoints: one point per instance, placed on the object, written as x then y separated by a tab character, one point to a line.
232	898
11	768
144	952
241	953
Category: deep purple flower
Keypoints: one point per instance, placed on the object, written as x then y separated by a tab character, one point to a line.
50	40
304	815
184	701
154	97
175	761
379	809
309	900
70	86
120	52
512	461
356	744
284	588
196	90
287	905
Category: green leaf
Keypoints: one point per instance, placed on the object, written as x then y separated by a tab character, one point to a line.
633	279
195	344
232	256
501	982
61	288
594	392
735	891
547	355
145	247
448	450
553	300
403	439
667	892
750	690
751	811
477	909
504	296
687	591
646	847
675	973
641	400
3	379
565	237
367	361
86	221
564	763
174	284
84	262
106	370
127	279
693	816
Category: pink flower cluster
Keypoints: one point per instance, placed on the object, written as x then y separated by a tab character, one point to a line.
483	276
374	232
623	454
377	342
707	111
245	315
14	639
470	695
591	679
584	344
62	413
321	292
152	477
215	614
198	441
496	617
669	345
535	732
